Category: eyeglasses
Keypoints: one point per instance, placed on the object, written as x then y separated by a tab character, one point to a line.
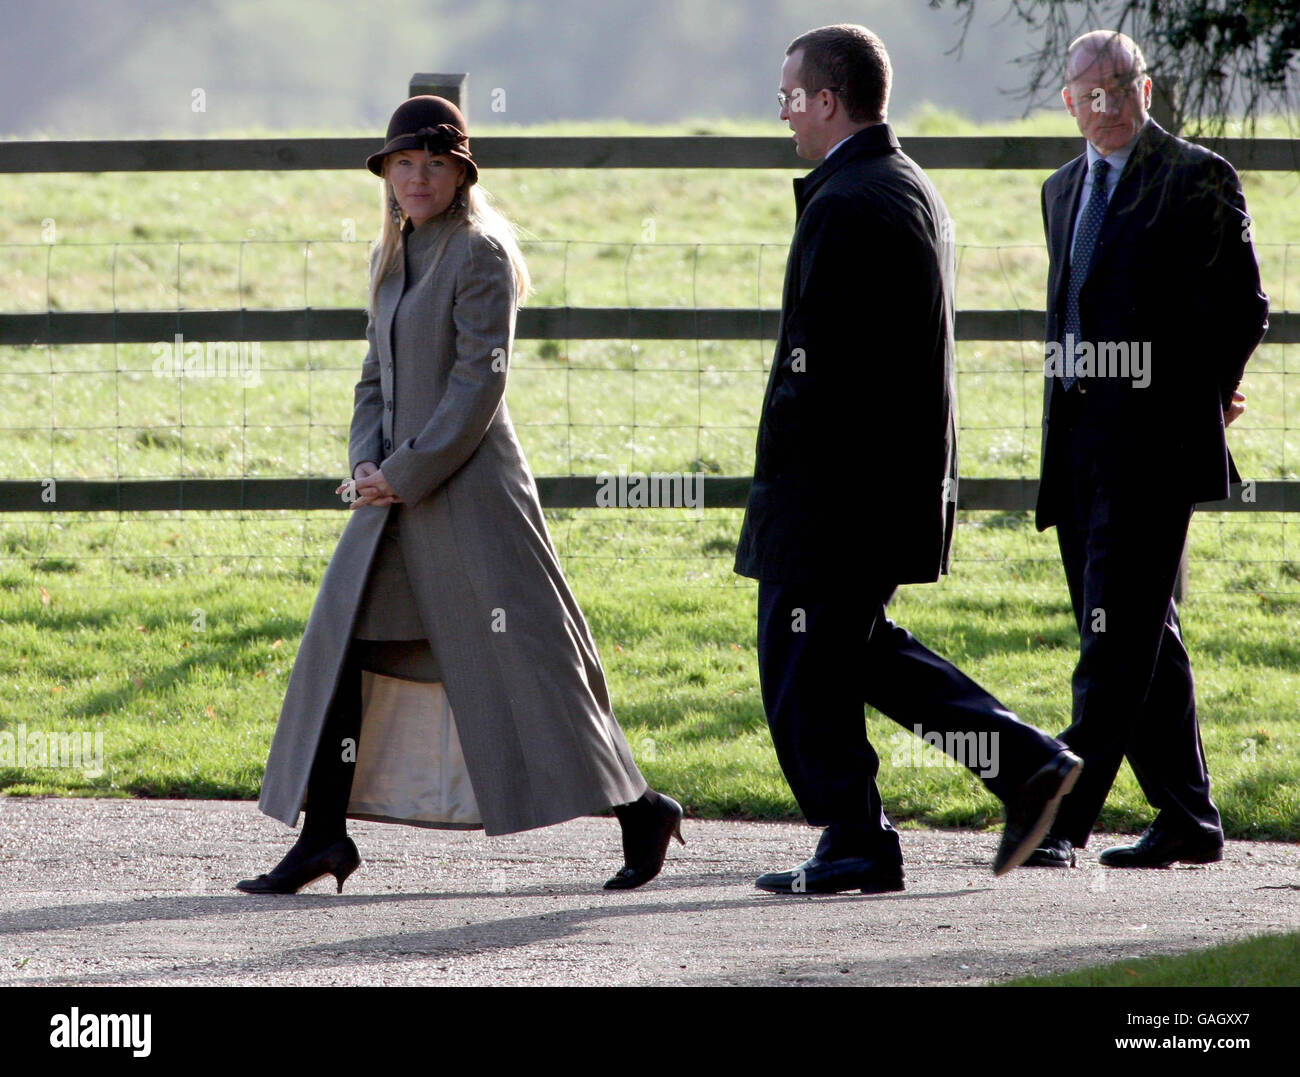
783	98
1117	91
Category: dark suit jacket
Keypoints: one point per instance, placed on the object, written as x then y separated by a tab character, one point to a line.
856	464
1174	267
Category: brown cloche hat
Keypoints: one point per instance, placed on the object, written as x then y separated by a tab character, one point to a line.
427	123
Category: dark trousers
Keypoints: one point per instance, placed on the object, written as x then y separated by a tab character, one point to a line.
1121	542
823	652
329	786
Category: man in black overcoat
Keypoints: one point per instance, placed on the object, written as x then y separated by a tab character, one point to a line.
1153	308
855	486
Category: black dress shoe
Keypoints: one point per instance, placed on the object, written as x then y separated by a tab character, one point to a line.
296	870
1031	811
818	876
649	825
1158	848
1051	853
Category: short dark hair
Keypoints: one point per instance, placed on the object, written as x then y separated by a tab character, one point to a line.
851	58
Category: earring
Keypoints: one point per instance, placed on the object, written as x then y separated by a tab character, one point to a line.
394	208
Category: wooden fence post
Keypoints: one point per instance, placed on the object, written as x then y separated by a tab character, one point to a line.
1167	102
455	88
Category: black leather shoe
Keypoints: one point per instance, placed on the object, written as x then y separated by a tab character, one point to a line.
1031	811
647	831
1051	853
1158	848
296	871
818	876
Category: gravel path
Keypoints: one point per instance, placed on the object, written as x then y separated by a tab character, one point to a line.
124	892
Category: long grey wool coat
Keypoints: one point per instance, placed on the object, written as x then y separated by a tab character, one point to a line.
468	558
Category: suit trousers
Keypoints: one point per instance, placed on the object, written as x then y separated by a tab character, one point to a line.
1121	542
826	650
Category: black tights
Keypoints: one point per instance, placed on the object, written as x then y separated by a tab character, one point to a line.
330	785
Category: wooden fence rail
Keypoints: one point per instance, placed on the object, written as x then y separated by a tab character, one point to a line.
632	151
571	323
556	492
534	323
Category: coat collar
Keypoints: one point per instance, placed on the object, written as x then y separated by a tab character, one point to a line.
1063	203
416	238
416	242
871	141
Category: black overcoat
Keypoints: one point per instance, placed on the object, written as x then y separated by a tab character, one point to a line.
855	470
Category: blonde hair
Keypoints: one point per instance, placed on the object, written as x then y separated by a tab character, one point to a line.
474	210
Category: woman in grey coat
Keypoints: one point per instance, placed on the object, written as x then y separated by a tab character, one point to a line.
446	677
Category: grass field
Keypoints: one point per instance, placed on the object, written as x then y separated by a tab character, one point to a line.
182	666
174	636
1266	961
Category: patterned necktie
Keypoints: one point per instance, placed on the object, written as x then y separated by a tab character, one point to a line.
1085	243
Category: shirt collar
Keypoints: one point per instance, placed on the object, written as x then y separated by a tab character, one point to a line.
1117	159
838	145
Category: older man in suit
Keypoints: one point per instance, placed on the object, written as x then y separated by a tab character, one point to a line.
854	485
1153	307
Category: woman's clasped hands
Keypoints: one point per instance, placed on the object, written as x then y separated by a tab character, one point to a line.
369	487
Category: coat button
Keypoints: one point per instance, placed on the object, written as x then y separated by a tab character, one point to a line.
390	365
388	404
388	445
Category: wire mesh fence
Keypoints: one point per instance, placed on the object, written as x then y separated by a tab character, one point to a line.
176	408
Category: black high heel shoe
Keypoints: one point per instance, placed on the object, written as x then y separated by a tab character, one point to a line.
649	824
294	872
